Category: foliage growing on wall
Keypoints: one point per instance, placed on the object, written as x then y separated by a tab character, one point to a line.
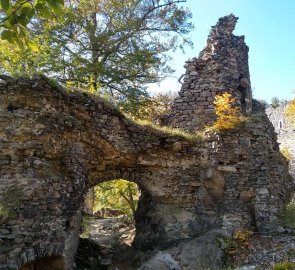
9	202
288	216
275	102
287	154
290	112
151	109
228	114
286	265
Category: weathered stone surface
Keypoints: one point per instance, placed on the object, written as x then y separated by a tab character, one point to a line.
247	195
200	253
215	185
285	131
55	145
245	83
161	261
221	67
265	251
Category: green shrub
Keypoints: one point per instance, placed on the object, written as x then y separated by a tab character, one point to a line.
288	216
285	266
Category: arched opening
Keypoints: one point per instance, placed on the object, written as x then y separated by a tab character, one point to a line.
46	263
280	124
108	226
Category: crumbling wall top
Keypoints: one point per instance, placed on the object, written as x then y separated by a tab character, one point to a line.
224	26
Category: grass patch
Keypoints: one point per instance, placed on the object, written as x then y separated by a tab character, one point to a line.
285	266
169	130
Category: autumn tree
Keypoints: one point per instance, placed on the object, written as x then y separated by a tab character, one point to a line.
228	114
290	112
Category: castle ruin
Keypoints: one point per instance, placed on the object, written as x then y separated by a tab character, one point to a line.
55	145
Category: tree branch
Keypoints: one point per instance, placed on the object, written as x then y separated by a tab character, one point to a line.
13	13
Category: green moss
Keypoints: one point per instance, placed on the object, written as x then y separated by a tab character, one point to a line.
288	216
86	225
9	203
257	117
5	249
285	266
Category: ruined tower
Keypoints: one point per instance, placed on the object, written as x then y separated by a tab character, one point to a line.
222	66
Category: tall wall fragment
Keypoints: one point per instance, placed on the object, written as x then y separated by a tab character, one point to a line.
221	67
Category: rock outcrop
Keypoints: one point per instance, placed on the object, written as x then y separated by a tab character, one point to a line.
55	145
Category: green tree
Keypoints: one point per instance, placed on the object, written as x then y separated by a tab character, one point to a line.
113	47
118	195
275	102
15	15
153	109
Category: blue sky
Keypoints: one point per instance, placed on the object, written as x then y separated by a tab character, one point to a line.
269	29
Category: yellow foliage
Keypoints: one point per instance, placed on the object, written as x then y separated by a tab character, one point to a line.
228	114
290	112
238	246
242	236
286	153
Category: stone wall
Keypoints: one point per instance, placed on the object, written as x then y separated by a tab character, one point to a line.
221	67
286	132
55	145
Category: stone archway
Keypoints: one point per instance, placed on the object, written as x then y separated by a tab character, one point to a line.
54	145
41	257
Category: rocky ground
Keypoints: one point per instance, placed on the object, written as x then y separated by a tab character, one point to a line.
105	244
263	252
